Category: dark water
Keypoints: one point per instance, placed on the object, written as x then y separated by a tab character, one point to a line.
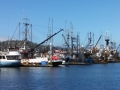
88	77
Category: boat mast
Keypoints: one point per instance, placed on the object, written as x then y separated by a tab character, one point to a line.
52	31
107	41
93	39
31	34
49	32
71	37
90	40
107	47
19	31
77	43
26	30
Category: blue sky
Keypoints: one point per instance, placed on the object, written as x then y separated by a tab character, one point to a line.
96	16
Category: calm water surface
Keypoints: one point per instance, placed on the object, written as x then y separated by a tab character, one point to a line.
73	77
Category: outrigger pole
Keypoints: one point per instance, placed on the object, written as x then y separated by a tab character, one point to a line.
45	40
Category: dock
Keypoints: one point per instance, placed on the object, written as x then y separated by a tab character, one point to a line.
49	65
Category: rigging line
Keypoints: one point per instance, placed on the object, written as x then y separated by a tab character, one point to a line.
28	32
23	27
14	32
39	31
29	35
56	28
17	34
36	37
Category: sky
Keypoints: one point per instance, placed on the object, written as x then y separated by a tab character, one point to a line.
96	16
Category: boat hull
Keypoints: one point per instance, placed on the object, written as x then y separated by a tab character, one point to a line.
10	63
56	62
38	60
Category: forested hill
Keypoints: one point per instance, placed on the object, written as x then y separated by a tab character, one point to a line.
17	43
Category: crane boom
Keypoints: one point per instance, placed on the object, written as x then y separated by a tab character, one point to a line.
98	40
118	47
45	40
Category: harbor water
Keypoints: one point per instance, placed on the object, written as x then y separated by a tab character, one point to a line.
72	77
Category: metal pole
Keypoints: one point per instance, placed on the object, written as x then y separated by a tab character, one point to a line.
0	64
82	54
0	58
52	31
77	43
51	53
19	31
26	30
31	34
93	39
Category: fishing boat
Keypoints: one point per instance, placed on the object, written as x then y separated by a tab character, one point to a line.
56	60
10	58
28	53
39	59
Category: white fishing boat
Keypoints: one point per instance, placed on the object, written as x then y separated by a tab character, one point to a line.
38	60
29	55
10	58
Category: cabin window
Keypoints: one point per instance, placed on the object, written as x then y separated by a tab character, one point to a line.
3	57
12	49
12	57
